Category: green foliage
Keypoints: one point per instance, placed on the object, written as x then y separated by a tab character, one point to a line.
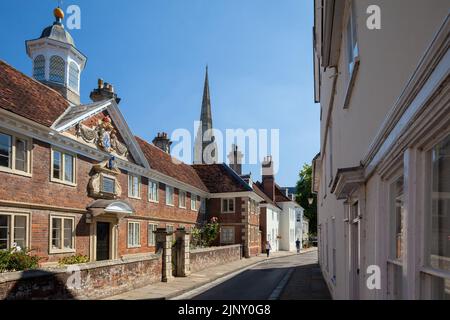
204	236
13	260
76	259
303	192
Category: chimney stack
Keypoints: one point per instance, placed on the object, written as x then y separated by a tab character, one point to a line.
268	178
162	142
235	157
104	91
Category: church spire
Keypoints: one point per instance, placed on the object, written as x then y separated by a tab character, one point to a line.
205	139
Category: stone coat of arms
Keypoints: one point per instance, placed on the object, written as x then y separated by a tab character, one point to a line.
104	135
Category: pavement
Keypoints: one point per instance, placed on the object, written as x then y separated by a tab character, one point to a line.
187	287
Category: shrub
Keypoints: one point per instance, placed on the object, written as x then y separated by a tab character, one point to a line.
76	259
17	260
205	235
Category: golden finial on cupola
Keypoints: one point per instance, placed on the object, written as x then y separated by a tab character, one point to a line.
58	13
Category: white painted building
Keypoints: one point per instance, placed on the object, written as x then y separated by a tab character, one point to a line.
382	177
272	226
288	225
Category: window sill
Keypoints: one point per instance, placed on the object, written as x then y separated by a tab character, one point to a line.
228	212
153	201
351	83
70	184
60	251
15	172
134	197
133	247
170	205
182	207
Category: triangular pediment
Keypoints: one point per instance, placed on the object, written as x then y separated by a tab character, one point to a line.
102	126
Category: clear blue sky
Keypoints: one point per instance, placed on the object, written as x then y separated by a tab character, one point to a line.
154	52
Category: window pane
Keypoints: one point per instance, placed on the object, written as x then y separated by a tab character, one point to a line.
68	233
137	234
39	68
231	205
56	233
4	230
397	219
439	257
21	155
130	234
68	168
20	231
57	165
108	185
73	76
57	69
5	150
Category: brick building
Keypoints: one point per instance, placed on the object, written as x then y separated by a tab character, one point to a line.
75	180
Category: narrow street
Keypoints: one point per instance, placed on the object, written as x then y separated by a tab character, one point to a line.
290	278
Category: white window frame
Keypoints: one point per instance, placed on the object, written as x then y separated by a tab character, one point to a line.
11	227
63	167
227	240
170	203
151	234
62	249
131	193
227	209
180	203
132	243
150	196
12	158
194	200
351	51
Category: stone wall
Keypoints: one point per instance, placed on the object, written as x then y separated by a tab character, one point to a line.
209	257
97	279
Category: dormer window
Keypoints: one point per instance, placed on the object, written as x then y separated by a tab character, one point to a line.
74	74
39	68
57	69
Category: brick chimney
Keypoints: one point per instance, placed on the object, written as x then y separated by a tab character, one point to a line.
162	142
268	178
104	91
235	158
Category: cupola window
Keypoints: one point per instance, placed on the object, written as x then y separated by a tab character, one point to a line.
39	68
57	66
74	74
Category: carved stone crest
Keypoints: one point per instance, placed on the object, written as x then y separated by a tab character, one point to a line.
103	182
104	136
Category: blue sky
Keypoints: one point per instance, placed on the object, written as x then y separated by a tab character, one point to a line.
154	52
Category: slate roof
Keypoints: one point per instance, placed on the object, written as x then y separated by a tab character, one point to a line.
280	196
29	98
164	163
220	178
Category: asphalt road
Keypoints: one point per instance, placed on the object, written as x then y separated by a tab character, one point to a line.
259	282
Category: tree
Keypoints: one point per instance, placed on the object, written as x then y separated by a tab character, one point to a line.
303	192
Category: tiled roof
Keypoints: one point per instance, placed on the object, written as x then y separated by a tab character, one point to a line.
257	187
29	98
280	196
221	178
164	163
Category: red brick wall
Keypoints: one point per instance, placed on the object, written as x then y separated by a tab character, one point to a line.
38	189
204	258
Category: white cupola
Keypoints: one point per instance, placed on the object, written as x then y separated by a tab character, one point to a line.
56	61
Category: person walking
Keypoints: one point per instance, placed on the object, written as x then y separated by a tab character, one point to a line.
297	244
268	248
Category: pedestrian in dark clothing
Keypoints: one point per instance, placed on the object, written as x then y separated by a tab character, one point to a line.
297	244
268	248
